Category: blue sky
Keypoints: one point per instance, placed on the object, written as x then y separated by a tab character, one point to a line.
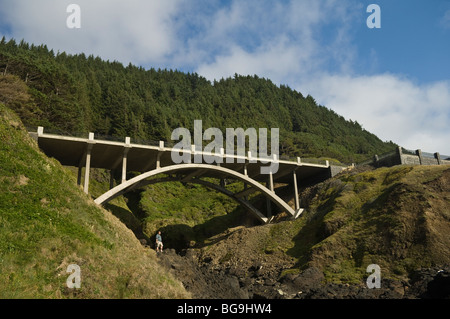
414	39
395	81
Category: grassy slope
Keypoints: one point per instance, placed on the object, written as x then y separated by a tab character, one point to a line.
47	223
398	218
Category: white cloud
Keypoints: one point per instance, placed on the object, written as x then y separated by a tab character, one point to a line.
388	105
280	41
445	21
136	31
273	60
393	108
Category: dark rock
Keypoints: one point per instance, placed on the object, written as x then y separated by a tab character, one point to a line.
429	283
208	280
439	287
308	279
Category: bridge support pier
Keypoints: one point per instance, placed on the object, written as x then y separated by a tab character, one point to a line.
87	171
87	168
271	182
269	208
269	185
124	168
297	201
124	159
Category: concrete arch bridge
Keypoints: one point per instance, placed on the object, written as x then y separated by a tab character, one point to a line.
155	164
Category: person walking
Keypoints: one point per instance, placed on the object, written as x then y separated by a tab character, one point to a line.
159	243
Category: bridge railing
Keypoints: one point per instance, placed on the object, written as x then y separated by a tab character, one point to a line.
55	131
149	142
429	155
407	151
407	157
317	161
377	158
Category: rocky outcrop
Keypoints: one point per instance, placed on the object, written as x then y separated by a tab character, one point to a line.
207	280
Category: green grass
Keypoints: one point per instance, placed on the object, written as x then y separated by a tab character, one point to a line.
47	223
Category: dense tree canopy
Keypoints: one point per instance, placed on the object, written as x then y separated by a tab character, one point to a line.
78	93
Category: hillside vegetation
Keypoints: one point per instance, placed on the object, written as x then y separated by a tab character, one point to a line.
75	93
398	218
47	223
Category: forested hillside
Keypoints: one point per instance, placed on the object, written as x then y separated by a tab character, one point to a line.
76	93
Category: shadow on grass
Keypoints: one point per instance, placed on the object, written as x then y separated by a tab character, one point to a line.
312	232
182	236
131	221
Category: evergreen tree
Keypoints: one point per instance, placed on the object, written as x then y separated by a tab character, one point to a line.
76	93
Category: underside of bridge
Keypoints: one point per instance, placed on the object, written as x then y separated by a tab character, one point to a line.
196	173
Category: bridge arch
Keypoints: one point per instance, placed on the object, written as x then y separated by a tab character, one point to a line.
141	180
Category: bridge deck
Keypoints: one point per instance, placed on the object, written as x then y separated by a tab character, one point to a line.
71	151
